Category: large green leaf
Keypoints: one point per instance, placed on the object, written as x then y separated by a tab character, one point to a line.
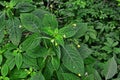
110	68
82	30
29	62
31	22
70	30
1	35
1	59
14	31
68	76
31	42
25	7
40	13
48	71
50	20
72	60
84	51
4	70
37	76
18	60
97	75
89	77
55	63
10	62
2	20
2	25
18	74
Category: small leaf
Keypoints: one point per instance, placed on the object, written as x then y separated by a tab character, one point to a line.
18	60
84	51
1	36
25	7
50	20
1	59
92	35
68	76
97	75
72	60
55	63
28	61
82	30
4	70
10	62
110	68
69	30
48	71
17	74
59	39
38	76
31	22
89	77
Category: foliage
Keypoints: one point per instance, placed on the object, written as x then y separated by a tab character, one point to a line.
59	40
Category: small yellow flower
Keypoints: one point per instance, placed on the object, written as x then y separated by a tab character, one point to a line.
86	73
78	46
74	25
64	36
56	44
51	6
79	74
20	26
52	40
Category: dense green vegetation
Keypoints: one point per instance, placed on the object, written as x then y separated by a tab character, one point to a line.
59	40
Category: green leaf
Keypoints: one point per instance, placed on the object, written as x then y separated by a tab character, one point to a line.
14	31
69	30
59	39
1	59
25	7
2	21
29	62
72	60
2	25
1	36
14	2
31	22
17	74
55	63
40	13
92	35
48	70
116	79
84	51
31	42
10	62
37	76
89	77
50	20
18	60
110	68
97	75
82	30
68	76
39	51
4	70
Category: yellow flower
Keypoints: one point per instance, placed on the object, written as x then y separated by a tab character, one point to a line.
56	44
74	25
52	40
20	26
78	46
64	36
79	74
